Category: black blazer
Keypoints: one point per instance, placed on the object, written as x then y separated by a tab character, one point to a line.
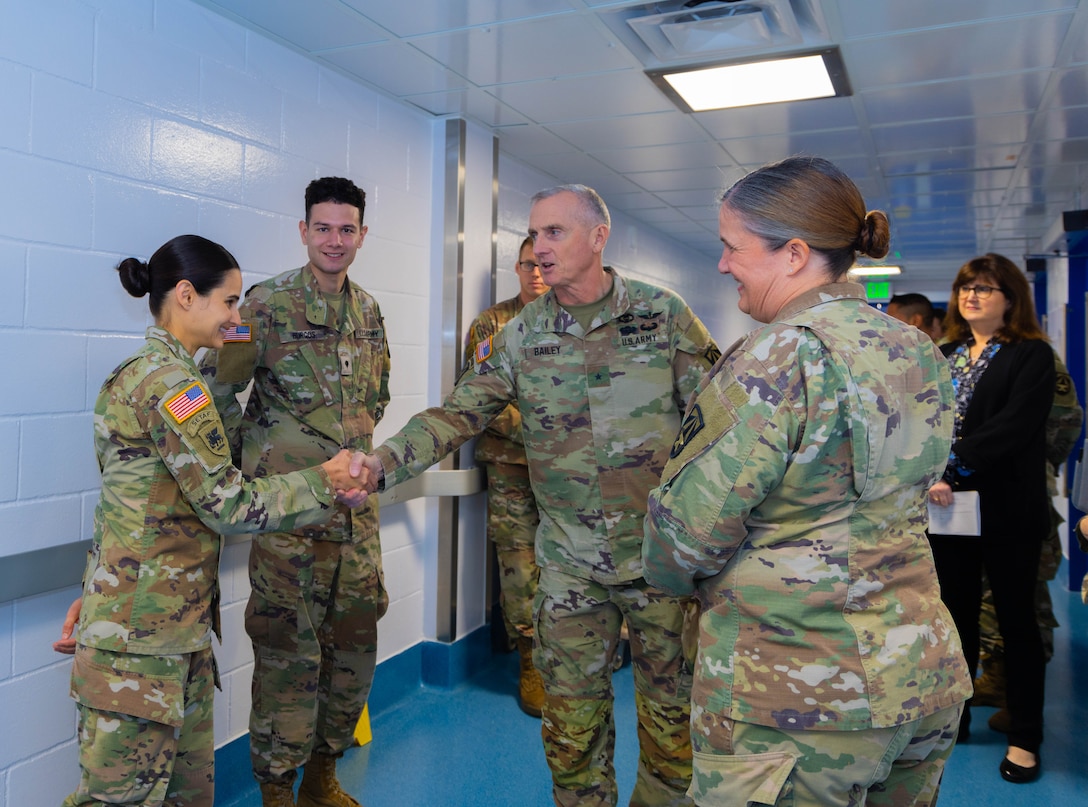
1003	439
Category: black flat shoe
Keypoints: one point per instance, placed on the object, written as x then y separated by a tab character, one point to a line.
1019	775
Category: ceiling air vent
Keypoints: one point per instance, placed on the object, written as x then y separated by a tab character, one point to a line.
685	29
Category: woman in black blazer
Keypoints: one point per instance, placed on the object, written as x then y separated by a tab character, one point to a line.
1003	371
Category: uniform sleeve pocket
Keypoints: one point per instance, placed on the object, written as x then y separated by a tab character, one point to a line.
720	780
156	693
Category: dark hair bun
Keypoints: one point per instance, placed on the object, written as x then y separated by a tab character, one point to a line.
874	239
135	276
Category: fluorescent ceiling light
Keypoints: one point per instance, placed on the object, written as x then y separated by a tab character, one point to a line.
875	271
767	81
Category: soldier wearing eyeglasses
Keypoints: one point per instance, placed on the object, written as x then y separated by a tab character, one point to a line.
511	508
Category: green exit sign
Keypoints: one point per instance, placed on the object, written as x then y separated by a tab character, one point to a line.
878	290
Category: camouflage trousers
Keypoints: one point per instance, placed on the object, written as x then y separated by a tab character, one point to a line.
1049	560
145	728
739	764
512	519
313	618
577	629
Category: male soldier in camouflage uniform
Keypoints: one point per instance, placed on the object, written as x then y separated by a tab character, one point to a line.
314	345
599	368
1062	430
511	507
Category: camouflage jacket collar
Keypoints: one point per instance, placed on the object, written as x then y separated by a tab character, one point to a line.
553	317
162	341
317	307
820	295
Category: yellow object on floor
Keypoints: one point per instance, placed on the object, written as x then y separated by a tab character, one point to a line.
362	728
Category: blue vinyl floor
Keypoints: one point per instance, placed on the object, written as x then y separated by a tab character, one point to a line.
470	746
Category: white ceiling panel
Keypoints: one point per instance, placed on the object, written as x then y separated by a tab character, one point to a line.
433	16
404	70
658	128
979	97
468	103
755	151
690	179
501	54
662	158
587	97
871	18
772	119
1003	47
312	26
968	122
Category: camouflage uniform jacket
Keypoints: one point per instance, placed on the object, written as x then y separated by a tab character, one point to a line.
501	441
320	383
168	490
794	504
1066	417
598	411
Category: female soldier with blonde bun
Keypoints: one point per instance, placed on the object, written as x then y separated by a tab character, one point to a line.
829	671
143	671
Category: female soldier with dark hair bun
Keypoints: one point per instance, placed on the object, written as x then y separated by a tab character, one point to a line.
143	671
829	671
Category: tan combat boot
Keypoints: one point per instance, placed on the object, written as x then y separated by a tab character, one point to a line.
320	787
277	794
530	687
990	686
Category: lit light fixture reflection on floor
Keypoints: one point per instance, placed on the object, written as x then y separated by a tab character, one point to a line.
797	77
875	271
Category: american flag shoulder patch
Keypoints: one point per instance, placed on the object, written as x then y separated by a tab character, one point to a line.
187	403
483	350
238	333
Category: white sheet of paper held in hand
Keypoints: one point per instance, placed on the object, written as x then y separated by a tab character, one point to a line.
962	517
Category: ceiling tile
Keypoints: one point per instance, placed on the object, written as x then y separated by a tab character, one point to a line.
585	97
968	123
961	98
404	70
772	119
502	54
468	103
658	128
429	16
1027	43
864	18
950	134
755	151
315	25
664	158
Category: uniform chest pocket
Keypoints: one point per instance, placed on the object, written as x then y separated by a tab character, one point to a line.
361	361
308	372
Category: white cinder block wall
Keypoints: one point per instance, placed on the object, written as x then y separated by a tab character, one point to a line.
127	122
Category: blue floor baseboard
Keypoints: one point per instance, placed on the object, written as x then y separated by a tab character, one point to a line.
448	733
436	665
